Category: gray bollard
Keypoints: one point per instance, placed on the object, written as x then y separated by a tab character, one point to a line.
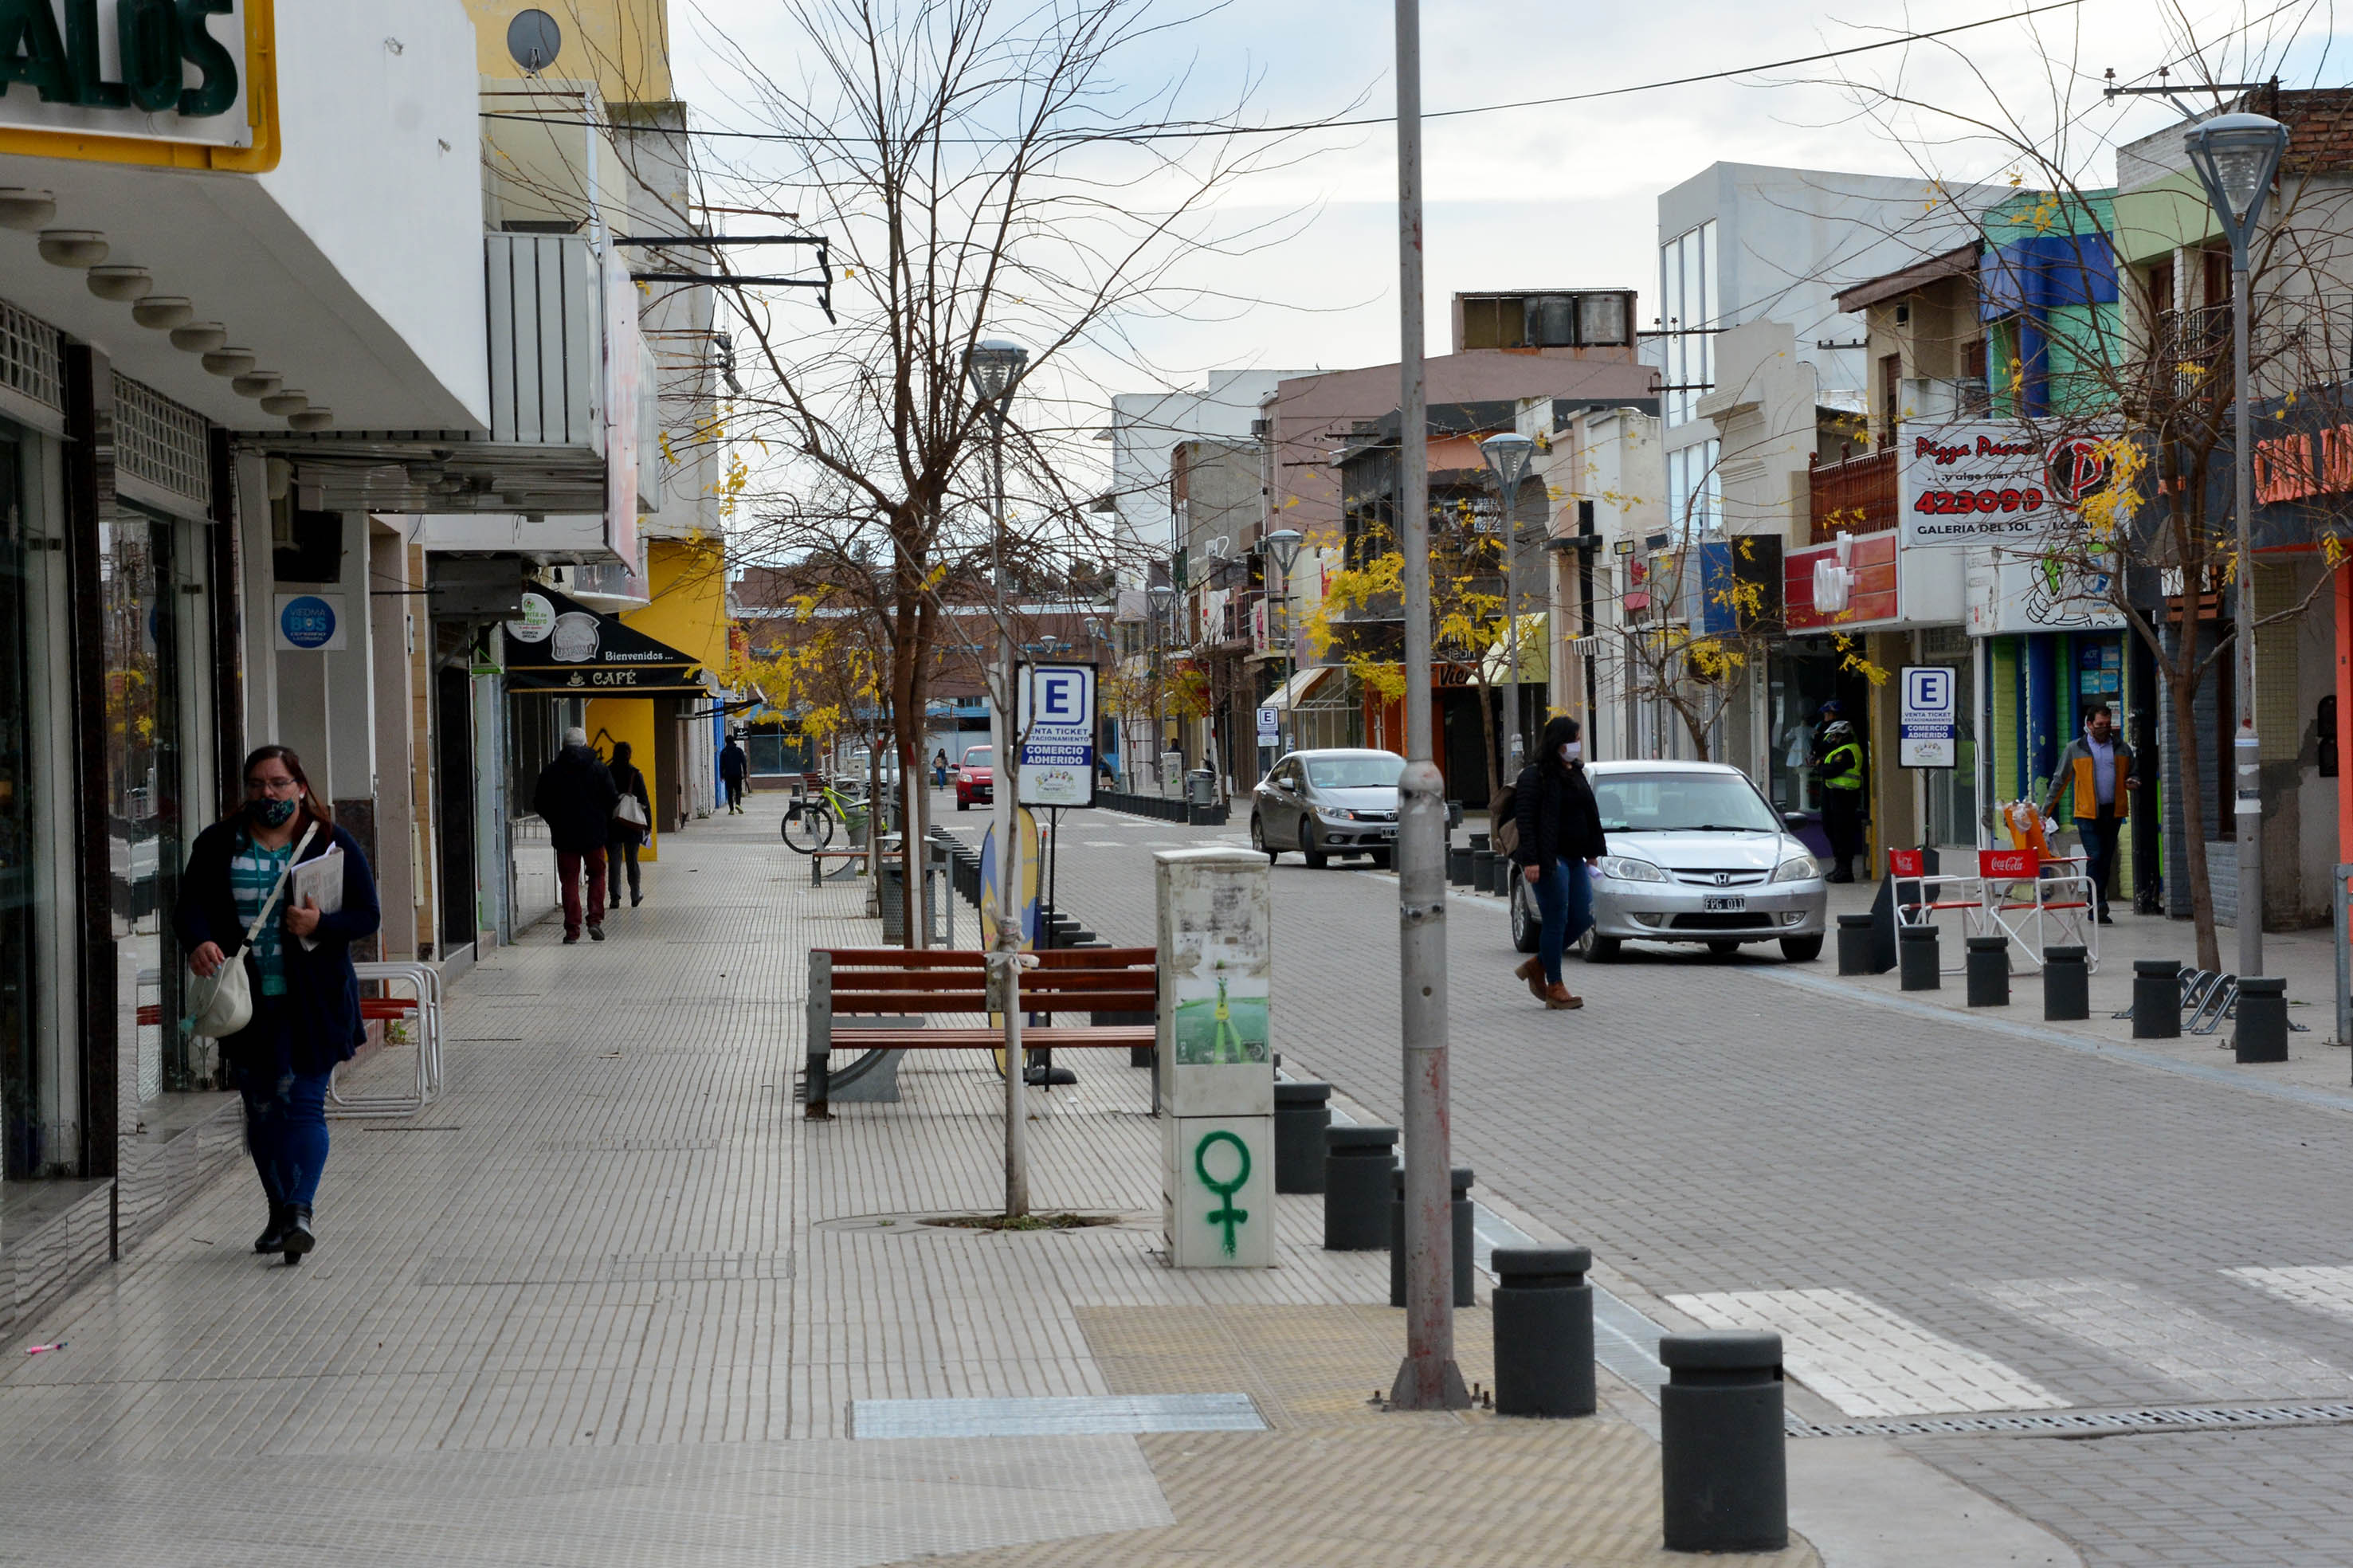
1482	871
2156	999
1479	841
2262	1033
1463	1235
1725	1472
1916	961
1988	972
2066	984
1504	871
1854	941
1302	1112
1356	1165
1458	866
1544	1332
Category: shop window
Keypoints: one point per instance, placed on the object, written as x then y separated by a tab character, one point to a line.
23	1134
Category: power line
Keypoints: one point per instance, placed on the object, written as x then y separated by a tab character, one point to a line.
1199	133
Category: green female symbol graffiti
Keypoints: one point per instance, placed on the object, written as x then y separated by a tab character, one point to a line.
1227	1216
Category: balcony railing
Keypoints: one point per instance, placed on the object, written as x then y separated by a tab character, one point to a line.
1855	495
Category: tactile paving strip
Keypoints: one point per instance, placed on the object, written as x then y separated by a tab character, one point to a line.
1087	1416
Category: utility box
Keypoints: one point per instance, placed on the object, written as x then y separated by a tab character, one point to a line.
1216	1059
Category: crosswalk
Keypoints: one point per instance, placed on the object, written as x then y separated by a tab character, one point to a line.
1871	1360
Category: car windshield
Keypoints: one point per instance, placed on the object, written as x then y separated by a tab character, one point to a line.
976	758
1681	803
1377	771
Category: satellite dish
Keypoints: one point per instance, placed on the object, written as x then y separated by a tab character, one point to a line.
533	40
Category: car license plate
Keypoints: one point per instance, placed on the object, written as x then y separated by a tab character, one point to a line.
1724	904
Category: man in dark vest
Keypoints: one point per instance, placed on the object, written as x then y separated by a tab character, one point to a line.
1842	785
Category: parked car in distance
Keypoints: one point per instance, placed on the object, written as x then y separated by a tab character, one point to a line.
1327	802
973	777
1696	855
857	767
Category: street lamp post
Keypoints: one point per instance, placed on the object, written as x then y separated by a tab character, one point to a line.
1164	632
1507	458
995	368
1283	544
2236	156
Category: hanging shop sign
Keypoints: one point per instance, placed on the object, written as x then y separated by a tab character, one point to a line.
1997	481
179	83
1056	721
558	645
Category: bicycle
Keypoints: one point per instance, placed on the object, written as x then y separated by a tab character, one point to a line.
808	824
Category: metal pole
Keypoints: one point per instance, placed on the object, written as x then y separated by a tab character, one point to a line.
1428	1379
1518	745
2248	804
1007	944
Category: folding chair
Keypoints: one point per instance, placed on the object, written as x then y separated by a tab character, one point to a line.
2036	899
1931	894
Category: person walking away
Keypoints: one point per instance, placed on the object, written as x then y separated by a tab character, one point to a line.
734	765
939	770
306	997
576	798
1842	774
624	838
2096	771
1560	838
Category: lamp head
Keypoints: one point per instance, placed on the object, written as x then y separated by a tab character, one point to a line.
993	365
2235	156
1507	458
1283	545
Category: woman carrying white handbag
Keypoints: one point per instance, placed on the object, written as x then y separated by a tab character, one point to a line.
633	814
275	983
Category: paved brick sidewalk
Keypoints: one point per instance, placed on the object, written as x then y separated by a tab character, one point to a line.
612	1300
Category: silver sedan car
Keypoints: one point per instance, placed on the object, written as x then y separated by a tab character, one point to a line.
1327	802
1696	855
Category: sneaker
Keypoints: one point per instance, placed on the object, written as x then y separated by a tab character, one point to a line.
596	933
635	899
570	937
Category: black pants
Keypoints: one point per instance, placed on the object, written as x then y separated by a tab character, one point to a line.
2099	837
734	793
1842	823
617	853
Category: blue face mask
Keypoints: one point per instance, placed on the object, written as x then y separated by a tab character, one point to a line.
272	813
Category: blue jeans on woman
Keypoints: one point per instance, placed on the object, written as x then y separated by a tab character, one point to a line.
286	1130
1565	895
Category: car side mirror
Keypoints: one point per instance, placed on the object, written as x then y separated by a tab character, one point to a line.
1793	819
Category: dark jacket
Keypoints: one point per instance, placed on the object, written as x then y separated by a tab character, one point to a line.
576	798
1558	816
733	763
628	780
322	1011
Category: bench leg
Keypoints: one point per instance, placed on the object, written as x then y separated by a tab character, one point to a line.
818	1086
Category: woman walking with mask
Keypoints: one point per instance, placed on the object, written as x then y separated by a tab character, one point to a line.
1560	839
306	998
628	835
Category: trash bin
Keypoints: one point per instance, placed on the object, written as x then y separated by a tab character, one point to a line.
1201	787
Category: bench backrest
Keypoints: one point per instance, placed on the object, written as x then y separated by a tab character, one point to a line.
891	981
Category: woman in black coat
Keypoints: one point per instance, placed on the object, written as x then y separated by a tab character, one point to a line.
1560	839
306	999
627	838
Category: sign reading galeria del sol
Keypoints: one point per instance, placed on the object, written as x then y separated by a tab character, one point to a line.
185	84
1997	480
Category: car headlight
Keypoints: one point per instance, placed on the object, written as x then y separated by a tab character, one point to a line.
1621	869
1802	869
1338	813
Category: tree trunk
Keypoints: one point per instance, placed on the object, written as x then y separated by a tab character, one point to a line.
2183	681
1486	735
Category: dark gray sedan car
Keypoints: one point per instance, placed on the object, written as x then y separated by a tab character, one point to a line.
1330	803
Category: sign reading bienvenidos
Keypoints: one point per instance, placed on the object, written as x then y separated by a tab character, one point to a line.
132	80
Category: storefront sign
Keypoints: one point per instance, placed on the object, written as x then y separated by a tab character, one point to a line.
176	82
1930	717
308	622
1969	484
559	645
1056	720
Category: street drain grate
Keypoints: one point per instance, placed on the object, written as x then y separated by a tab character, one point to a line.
2085	1423
1076	1417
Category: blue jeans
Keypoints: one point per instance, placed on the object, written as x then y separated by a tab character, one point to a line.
1565	894
285	1131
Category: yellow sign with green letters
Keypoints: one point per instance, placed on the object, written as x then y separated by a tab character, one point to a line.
189	84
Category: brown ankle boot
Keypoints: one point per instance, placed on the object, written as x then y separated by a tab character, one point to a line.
1556	996
1533	972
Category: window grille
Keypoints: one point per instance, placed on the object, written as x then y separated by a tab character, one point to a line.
157	440
29	358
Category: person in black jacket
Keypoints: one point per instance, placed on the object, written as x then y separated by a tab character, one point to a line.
306	999
624	839
734	767
1560	839
576	798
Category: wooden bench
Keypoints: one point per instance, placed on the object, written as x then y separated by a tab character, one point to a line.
895	983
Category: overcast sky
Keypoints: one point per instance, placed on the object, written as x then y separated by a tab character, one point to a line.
1566	195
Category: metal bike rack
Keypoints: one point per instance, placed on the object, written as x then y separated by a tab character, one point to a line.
424	1010
2220	998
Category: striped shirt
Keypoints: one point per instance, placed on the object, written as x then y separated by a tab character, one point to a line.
252	871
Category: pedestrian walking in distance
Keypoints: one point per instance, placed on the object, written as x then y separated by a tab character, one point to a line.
306	997
632	818
2096	770
1842	779
576	798
733	766
939	770
1559	839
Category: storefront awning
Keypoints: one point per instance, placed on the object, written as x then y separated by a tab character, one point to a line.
1536	655
560	647
1294	692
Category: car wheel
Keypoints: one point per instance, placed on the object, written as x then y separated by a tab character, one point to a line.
962	805
1723	949
1802	948
1257	839
1595	948
1527	921
1316	860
